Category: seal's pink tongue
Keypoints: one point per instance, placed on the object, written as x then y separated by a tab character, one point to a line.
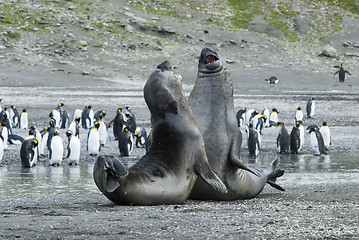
210	59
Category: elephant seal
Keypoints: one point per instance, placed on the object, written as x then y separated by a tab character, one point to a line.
212	104
167	172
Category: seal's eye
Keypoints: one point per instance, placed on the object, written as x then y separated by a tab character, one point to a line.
211	59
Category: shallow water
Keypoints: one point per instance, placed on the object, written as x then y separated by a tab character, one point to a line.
300	170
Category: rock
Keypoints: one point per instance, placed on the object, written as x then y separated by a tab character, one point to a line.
83	43
329	51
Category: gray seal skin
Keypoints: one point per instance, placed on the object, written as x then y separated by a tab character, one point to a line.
212	104
167	172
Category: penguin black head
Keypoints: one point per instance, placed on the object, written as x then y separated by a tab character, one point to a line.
68	133
103	113
77	119
33	127
299	108
97	125
127	114
56	133
24	110
52	123
31	132
250	125
275	110
35	143
126	129
61	104
89	106
324	123
119	109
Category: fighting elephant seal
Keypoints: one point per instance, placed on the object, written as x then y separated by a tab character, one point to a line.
167	172
212	104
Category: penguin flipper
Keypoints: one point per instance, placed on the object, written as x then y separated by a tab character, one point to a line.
203	170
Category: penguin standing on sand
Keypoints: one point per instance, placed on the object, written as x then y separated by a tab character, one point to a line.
14	117
283	139
102	131
240	116
131	121
301	134
73	148
266	113
55	114
261	123
310	107
295	139
1	148
316	141
298	115
93	140
97	115
141	137
77	113
273	117
5	134
253	141
118	123
125	142
57	149
149	140
272	80
341	72
24	120
324	130
28	152
85	117
75	126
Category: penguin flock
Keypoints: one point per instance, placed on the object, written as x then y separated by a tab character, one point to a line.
287	141
49	144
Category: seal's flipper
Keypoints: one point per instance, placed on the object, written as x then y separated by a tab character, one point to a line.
276	186
203	170
276	173
115	171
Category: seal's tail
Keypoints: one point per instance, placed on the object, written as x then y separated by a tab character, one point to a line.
276	173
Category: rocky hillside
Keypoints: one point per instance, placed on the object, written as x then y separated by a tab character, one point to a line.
117	37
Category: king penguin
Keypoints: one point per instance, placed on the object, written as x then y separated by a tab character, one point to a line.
131	121
93	140
14	116
141	137
273	117
316	141
73	148
301	134
102	131
55	114
283	139
28	152
125	142
341	72
310	107
57	149
253	141
24	119
118	123
149	140
298	115
240	116
324	130
1	148
5	134
295	139
75	126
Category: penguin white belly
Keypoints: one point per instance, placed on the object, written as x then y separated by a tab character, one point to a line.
1	149
298	116
93	143
75	147
56	115
274	118
43	145
72	127
57	150
326	136
102	131
130	145
5	135
301	137
248	115
78	113
24	121
314	143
